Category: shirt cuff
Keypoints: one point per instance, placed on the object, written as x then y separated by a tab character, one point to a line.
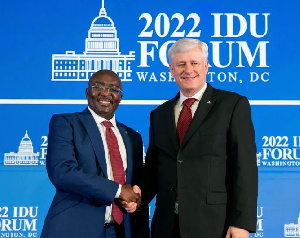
119	191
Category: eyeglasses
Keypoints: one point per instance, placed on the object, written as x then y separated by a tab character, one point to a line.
102	89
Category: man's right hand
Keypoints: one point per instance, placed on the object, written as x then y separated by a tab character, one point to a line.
128	195
131	207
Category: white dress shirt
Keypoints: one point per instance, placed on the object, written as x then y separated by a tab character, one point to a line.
179	104
102	130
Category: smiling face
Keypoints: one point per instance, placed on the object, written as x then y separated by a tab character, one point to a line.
189	69
103	102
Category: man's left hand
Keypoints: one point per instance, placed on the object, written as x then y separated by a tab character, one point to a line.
235	232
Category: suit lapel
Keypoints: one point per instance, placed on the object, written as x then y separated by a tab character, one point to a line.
206	103
95	136
170	124
128	146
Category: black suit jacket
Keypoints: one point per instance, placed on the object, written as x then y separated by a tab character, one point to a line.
214	169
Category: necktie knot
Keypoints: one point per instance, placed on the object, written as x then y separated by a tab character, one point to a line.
107	124
189	102
185	118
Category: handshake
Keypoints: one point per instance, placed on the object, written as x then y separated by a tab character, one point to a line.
130	197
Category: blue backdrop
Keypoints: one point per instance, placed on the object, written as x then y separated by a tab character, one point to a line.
49	49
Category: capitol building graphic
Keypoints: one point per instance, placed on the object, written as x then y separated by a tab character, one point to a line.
25	155
292	230
101	52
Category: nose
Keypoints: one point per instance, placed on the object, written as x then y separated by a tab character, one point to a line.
104	92
188	68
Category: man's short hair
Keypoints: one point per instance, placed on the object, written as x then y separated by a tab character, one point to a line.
187	44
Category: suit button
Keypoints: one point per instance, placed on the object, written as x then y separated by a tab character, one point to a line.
180	160
172	188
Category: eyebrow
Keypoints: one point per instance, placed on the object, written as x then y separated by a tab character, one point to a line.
107	85
187	61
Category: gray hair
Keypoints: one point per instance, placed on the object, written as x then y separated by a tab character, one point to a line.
187	44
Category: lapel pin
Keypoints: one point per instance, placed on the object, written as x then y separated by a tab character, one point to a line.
208	102
126	132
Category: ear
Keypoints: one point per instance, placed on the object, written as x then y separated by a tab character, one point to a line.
86	93
206	66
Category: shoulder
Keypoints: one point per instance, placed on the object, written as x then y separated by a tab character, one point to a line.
226	94
224	97
129	130
167	105
61	116
71	114
230	102
69	118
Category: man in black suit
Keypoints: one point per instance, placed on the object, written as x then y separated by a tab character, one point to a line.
206	178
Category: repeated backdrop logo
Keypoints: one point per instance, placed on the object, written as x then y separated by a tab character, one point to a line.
18	221
102	51
26	154
289	230
292	229
102	48
234	55
259	225
279	152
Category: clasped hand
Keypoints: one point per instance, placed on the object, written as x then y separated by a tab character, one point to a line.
130	197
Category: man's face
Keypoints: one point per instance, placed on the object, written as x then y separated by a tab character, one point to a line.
189	70
103	102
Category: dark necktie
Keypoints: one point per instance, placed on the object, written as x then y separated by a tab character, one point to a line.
185	118
183	123
116	164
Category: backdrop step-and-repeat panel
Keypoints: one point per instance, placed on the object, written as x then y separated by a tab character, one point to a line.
48	51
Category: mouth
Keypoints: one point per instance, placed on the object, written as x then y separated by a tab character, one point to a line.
104	102
188	77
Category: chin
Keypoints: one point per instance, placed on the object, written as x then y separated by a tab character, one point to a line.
189	92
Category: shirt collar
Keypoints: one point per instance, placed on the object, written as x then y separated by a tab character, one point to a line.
197	96
100	119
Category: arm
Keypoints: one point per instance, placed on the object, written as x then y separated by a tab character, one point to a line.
138	152
148	181
148	177
71	164
242	169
